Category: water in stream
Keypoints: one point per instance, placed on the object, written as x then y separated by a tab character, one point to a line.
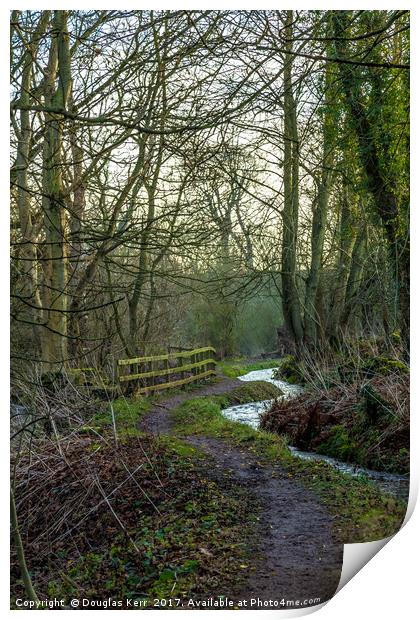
249	413
288	389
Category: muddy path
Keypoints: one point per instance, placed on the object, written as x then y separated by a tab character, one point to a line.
292	553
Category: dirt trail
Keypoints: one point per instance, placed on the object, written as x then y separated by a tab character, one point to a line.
293	553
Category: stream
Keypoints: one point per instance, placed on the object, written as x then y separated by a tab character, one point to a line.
249	413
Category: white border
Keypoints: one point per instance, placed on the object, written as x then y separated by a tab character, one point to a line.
387	586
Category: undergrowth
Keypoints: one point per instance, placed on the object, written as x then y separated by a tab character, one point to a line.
165	529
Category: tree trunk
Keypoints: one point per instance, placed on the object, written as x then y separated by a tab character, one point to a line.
28	255
355	276
346	242
54	341
290	294
312	323
76	210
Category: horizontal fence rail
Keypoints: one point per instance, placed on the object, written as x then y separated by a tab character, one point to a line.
182	367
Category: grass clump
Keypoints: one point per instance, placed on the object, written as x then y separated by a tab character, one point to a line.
252	391
125	412
203	416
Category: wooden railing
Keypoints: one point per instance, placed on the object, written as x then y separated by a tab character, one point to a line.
149	371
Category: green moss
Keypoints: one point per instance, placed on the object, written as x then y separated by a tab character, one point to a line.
396	337
340	445
290	370
384	366
356	368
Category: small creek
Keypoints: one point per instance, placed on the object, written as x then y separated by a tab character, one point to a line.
249	413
